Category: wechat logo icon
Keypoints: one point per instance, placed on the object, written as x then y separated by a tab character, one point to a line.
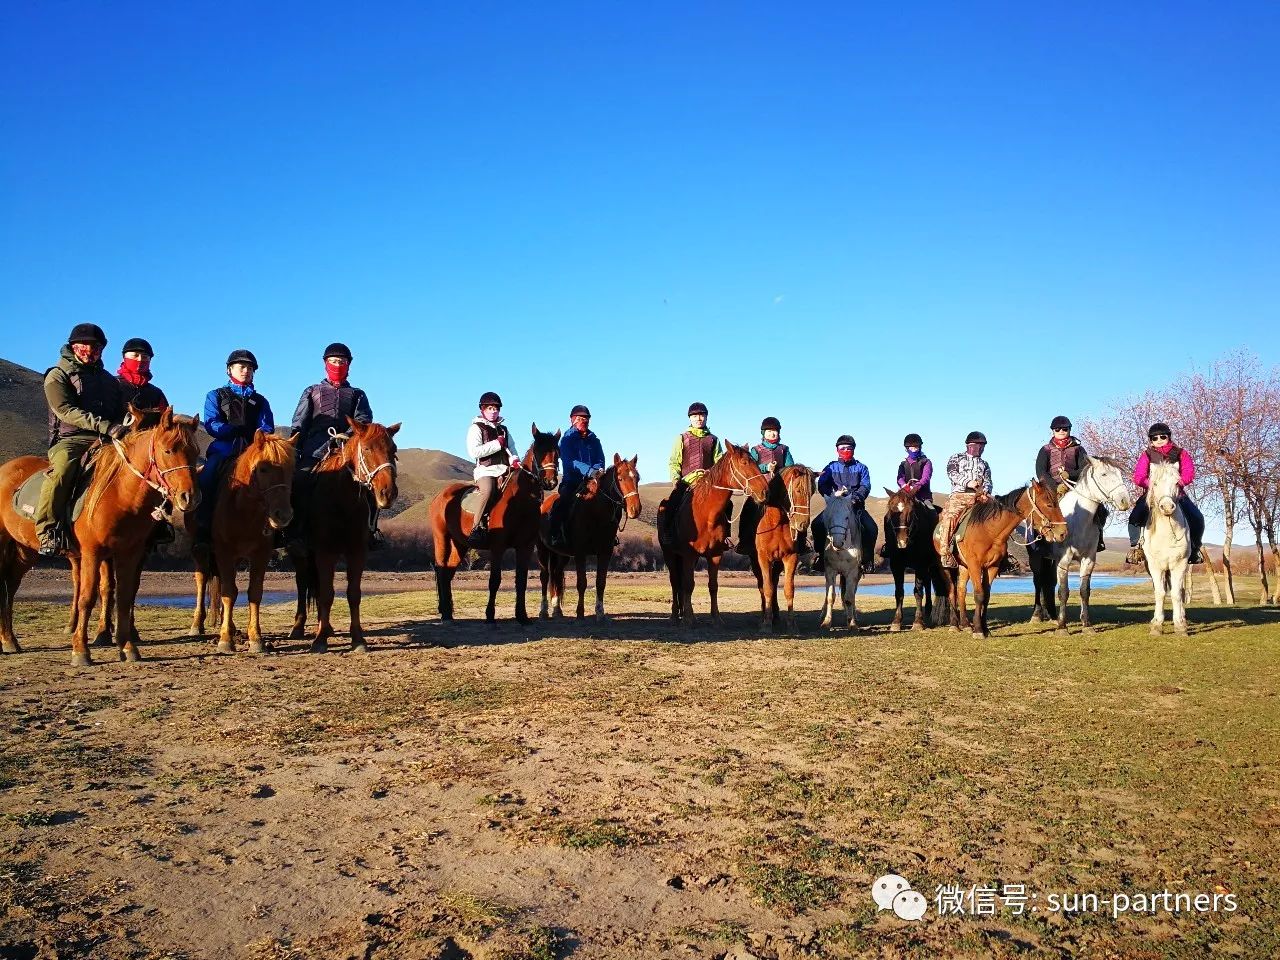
892	892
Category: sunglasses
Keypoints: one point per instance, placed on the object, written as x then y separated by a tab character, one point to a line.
1160	436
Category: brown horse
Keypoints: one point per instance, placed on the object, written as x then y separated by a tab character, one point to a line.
700	527
783	519
513	524
908	541
340	515
985	546
134	479
253	502
592	528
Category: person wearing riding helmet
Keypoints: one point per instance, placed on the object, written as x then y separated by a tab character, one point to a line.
695	451
233	414
134	375
85	405
1059	463
489	445
970	477
582	455
772	456
847	477
1162	449
915	472
324	407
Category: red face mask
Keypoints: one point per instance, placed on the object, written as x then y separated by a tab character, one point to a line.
335	372
136	372
844	456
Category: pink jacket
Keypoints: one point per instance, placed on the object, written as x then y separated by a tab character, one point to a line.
1142	469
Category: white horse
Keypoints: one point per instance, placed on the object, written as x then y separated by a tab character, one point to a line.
1167	545
1101	481
843	557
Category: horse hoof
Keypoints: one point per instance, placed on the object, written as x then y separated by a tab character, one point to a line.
1037	617
103	640
298	632
1062	631
1155	631
359	647
1180	631
196	632
895	628
558	614
256	647
226	646
319	646
10	646
81	660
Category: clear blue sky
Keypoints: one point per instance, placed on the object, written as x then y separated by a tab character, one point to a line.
872	219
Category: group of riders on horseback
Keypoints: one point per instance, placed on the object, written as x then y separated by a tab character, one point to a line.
87	405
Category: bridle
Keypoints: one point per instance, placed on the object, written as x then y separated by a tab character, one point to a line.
799	500
744	484
906	512
619	500
1037	512
1091	481
358	466
160	485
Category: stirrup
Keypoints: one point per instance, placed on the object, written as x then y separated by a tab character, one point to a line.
1135	556
476	538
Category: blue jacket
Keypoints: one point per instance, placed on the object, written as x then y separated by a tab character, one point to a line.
579	455
853	475
230	437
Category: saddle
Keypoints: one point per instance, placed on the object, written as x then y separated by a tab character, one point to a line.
27	497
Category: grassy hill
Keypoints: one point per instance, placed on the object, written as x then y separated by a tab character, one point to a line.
23	413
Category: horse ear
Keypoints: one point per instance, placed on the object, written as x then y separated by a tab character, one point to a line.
166	418
534	430
558	436
352	425
888	491
616	459
634	459
293	441
260	437
393	429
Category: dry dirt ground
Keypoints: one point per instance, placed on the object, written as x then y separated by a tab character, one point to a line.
633	790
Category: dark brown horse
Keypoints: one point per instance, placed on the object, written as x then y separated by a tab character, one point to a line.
592	528
985	546
784	517
908	540
513	524
344	487
700	527
134	479
253	503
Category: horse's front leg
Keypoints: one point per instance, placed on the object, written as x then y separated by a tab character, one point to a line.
226	567
197	615
1178	587
713	587
106	609
1063	571
1158	584
899	570
763	569
829	598
324	565
687	563
544	580
923	609
603	560
789	564
1086	587
851	592
301	582
257	574
127	574
961	596
981	597
89	573
523	557
580	564
496	551
74	612
355	575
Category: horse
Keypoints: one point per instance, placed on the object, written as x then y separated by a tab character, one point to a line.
253	503
1101	481
1167	546
842	558
699	527
134	479
513	524
592	528
784	518
985	546
908	538
348	486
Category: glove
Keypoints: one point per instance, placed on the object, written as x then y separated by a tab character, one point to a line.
842	492
117	431
595	472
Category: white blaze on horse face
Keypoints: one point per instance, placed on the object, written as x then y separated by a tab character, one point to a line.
886	888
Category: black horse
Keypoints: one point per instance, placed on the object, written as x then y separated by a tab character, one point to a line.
1044	573
908	542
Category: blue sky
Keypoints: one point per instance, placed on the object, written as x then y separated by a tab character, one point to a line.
858	219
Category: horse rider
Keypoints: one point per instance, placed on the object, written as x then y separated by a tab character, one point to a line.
321	415
1162	449
846	476
233	414
135	377
583	458
489	445
970	477
915	472
695	451
1059	463
771	456
85	405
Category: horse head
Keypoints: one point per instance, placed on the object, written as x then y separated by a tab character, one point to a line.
741	472
1104	476
900	506
370	455
798	480
1045	513
838	517
171	453
1162	491
627	479
266	469
543	457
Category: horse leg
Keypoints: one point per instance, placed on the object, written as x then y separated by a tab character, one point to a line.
713	587
75	594
197	615
1178	587
523	557
355	574
444	591
580	561
301	579
323	592
561	563
1086	587
90	570
107	577
602	575
227	594
774	609
12	570
128	574
961	598
763	570
676	575
923	601
851	594
829	597
981	598
789	564
899	570
257	573
544	578
687	565
1158	583
1063	571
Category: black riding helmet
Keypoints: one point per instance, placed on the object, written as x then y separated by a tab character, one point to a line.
580	411
242	356
490	399
1060	423
912	440
697	408
337	350
87	333
770	423
976	436
1159	430
137	345
845	440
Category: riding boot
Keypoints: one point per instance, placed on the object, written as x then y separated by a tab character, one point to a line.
51	540
819	563
479	533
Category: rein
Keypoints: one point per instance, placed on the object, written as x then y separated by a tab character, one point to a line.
367	480
744	485
1089	479
1037	512
159	485
619	501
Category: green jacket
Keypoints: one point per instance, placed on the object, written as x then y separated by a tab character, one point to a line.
84	399
676	461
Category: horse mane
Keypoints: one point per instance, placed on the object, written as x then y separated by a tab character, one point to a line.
991	508
272	449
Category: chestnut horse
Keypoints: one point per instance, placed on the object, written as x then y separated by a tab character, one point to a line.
253	503
783	519
985	546
908	541
513	524
134	479
700	527
592	528
339	518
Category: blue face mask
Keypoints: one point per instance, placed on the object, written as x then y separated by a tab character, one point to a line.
913	454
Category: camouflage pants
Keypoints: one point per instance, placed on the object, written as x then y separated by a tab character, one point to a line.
957	505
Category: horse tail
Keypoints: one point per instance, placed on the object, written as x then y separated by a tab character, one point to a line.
449	525
941	595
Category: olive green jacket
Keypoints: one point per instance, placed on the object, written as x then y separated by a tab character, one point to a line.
84	399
